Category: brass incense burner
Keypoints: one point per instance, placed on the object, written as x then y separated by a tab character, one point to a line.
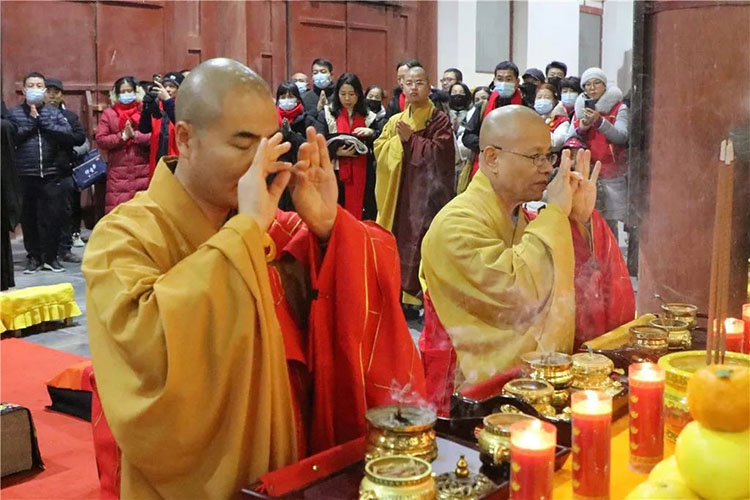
494	437
401	430
397	477
592	371
682	312
462	484
538	393
679	335
650	341
555	368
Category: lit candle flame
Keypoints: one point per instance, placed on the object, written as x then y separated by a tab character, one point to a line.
734	326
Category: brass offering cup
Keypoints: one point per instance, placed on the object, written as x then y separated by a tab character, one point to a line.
401	430
537	393
397	477
555	368
494	438
591	372
682	312
650	341
679	335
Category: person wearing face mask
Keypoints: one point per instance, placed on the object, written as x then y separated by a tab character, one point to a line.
293	122
41	131
126	147
348	113
570	87
374	97
460	105
553	112
505	91
300	80
601	121
158	117
68	157
555	72
532	79
322	76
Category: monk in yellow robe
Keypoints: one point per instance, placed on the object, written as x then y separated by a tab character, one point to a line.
203	388
415	174
498	283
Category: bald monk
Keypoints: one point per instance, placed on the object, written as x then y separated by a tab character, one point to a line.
228	338
499	281
415	174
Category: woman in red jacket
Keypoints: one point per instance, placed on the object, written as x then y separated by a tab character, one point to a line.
126	148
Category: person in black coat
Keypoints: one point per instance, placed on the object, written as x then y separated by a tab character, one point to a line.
293	121
40	132
68	158
10	201
320	95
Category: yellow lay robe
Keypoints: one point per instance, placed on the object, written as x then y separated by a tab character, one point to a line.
499	290
389	153
187	351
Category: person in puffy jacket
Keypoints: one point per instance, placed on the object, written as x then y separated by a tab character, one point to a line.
126	148
40	133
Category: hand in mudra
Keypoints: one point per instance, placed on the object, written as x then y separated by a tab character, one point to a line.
584	198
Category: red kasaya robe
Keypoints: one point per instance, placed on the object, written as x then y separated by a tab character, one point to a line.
355	348
604	301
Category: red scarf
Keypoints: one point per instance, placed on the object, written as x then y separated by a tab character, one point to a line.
401	101
290	115
155	137
352	169
516	98
128	112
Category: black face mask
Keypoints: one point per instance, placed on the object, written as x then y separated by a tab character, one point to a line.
554	80
528	89
458	101
374	105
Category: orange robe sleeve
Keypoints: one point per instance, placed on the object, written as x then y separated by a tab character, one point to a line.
358	346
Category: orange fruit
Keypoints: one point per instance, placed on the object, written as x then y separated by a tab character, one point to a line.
719	397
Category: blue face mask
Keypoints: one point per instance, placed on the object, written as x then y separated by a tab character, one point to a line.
569	99
322	80
35	96
127	98
301	86
287	103
543	106
505	89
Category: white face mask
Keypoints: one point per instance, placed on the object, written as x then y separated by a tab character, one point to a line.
301	86
569	99
287	103
543	106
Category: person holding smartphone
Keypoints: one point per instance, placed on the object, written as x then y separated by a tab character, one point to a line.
158	117
601	122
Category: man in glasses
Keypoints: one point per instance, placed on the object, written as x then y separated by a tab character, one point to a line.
415	175
500	282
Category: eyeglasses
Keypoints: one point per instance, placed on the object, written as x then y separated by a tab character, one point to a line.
593	83
539	160
417	83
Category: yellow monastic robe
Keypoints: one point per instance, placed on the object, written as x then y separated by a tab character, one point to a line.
186	347
389	153
499	289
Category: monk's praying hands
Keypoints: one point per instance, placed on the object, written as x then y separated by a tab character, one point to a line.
404	130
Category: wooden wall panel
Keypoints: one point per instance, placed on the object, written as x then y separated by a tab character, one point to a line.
367	43
690	114
267	39
317	29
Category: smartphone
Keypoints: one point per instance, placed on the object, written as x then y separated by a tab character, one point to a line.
589	104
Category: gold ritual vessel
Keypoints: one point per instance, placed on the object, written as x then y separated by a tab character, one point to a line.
592	371
555	368
538	393
650	341
682	312
494	438
397	477
401	430
679	335
462	484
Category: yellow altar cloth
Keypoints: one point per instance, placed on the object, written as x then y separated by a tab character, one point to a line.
30	306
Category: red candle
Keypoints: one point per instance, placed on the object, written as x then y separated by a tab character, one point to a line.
532	459
592	421
746	320
735	330
646	403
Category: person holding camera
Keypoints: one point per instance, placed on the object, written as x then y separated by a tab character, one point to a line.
601	122
125	145
158	117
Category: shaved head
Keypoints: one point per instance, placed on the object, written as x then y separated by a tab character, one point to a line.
509	137
416	86
203	92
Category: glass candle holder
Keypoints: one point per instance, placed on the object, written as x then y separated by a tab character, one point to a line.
646	405
532	456
735	330
592	422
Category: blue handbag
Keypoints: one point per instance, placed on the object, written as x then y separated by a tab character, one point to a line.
92	169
